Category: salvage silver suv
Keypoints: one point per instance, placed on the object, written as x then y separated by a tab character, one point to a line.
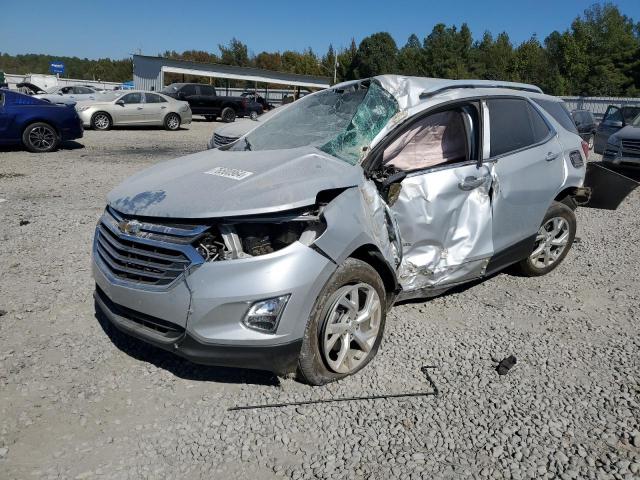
284	250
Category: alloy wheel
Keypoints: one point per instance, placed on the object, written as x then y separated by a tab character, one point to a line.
42	138
172	122
351	327
101	121
551	241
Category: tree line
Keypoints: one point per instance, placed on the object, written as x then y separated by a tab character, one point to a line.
599	55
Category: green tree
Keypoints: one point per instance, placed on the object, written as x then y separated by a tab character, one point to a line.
235	53
411	59
376	55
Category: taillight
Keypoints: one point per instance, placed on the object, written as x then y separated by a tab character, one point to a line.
585	149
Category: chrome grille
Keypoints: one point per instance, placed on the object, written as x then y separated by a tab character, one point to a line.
631	146
221	140
155	256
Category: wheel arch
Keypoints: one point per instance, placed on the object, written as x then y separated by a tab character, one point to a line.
101	111
371	255
566	195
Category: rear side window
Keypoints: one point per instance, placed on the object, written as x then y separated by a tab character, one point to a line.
188	90
514	125
206	90
560	113
629	113
153	98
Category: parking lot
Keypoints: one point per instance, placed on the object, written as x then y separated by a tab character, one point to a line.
78	400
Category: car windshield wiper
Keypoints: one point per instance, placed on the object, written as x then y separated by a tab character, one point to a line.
247	145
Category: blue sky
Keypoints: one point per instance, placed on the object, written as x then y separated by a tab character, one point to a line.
115	29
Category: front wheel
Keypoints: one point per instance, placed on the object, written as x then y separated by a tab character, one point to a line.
253	115
346	325
101	121
172	121
40	138
553	241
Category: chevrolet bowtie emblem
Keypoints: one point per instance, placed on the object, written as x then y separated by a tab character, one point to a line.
132	227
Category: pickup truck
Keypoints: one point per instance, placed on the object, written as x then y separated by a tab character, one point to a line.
204	100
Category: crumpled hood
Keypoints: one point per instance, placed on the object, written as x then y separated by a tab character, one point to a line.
218	183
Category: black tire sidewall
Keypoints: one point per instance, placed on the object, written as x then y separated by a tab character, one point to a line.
27	143
557	209
166	122
93	121
312	368
226	116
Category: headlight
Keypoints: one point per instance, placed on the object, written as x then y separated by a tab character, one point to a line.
255	238
265	314
184	108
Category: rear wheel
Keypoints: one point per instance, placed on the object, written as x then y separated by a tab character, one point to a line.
101	121
228	115
172	121
553	241
346	325
40	137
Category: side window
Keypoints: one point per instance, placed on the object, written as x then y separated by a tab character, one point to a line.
153	98
83	90
560	114
66	90
132	98
439	138
207	90
629	113
613	114
188	90
514	125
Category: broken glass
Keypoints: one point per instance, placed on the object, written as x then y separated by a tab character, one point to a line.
341	122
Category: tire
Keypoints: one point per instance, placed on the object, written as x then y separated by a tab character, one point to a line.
591	141
550	248
210	118
253	115
101	121
172	121
315	366
40	137
228	115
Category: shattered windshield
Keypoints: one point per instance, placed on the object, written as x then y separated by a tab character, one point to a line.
341	122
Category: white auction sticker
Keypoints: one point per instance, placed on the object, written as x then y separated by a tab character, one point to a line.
232	173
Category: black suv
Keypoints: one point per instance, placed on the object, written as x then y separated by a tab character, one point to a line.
586	125
204	100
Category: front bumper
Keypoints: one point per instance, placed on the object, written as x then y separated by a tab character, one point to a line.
281	358
199	316
616	156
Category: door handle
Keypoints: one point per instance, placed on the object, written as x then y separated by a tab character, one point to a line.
163	107
470	183
551	156
139	108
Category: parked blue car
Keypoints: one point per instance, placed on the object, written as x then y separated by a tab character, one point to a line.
40	126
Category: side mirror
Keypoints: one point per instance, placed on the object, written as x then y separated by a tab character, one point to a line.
120	102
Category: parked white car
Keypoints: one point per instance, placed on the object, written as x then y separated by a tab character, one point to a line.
70	95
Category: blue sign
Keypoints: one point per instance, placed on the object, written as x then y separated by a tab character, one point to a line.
56	67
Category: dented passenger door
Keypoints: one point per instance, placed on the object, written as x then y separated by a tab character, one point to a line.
442	204
445	224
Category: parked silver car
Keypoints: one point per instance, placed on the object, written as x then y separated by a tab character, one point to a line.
284	250
135	108
231	132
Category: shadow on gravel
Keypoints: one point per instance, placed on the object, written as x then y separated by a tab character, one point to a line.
179	367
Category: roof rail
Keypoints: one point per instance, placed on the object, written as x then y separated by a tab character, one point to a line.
510	85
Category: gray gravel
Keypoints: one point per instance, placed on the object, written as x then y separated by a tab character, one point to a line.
81	401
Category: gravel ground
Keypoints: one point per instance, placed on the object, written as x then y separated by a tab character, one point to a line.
78	400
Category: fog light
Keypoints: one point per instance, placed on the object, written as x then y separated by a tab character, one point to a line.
265	314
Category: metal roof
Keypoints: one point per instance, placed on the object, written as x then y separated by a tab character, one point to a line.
217	70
